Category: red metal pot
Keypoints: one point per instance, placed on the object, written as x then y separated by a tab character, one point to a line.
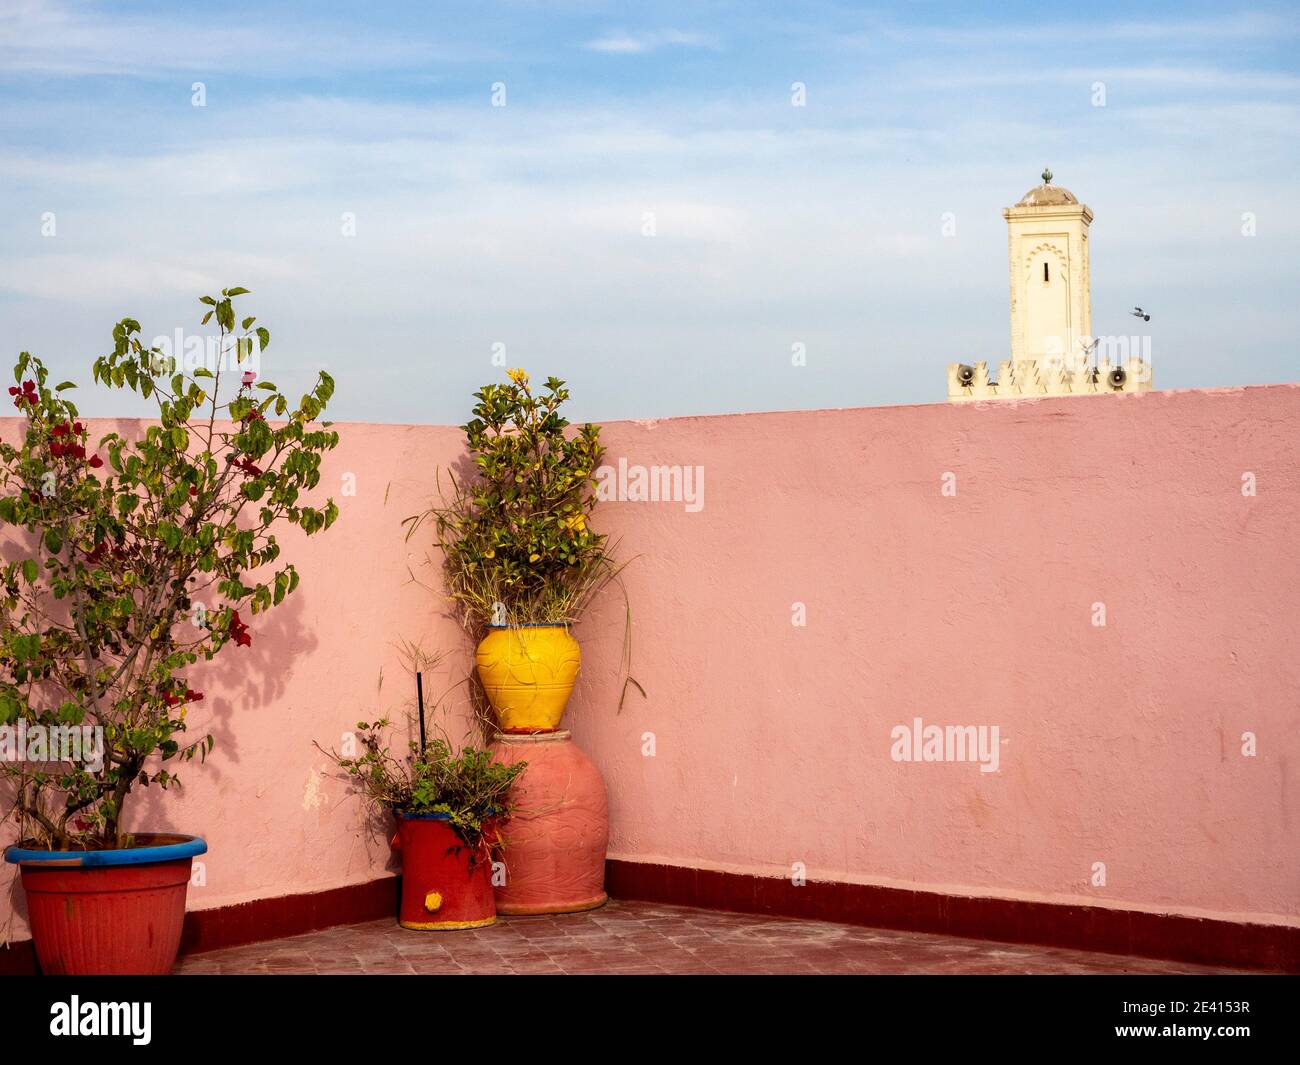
109	912
446	884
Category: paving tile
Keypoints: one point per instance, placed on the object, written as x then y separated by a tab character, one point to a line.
653	938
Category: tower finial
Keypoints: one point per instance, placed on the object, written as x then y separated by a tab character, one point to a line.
1047	175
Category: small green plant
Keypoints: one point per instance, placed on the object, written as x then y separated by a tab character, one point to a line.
134	558
516	544
469	787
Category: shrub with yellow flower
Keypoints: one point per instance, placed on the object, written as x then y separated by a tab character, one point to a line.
517	533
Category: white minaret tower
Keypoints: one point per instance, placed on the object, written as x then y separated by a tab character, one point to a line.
1051	299
1053	351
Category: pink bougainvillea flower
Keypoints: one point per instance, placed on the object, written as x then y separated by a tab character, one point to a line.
27	395
96	462
239	631
248	378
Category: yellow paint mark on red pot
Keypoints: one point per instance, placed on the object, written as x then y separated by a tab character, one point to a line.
447	925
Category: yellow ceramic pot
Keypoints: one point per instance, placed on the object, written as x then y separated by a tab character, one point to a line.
528	674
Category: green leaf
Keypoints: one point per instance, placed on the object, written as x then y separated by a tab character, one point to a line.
63	386
30	570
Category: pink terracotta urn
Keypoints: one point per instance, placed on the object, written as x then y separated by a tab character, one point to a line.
555	838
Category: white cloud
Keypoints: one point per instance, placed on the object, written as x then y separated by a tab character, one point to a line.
1207	79
1173	31
64	39
103	278
621	43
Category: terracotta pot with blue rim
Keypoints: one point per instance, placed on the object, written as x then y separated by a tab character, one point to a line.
108	912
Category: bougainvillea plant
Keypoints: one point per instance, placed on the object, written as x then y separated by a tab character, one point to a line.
515	541
126	561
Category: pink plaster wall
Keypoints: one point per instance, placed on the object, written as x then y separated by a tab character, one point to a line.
1120	744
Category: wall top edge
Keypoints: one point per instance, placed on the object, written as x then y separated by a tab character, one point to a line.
939	403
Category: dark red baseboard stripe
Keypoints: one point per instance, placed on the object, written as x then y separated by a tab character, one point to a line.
259	920
18	959
1151	935
288	915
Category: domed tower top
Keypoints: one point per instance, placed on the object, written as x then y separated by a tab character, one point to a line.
1051	304
1047	194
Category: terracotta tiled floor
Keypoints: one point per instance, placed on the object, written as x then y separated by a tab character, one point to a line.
640	937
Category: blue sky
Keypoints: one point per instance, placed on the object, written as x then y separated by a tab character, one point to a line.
523	225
